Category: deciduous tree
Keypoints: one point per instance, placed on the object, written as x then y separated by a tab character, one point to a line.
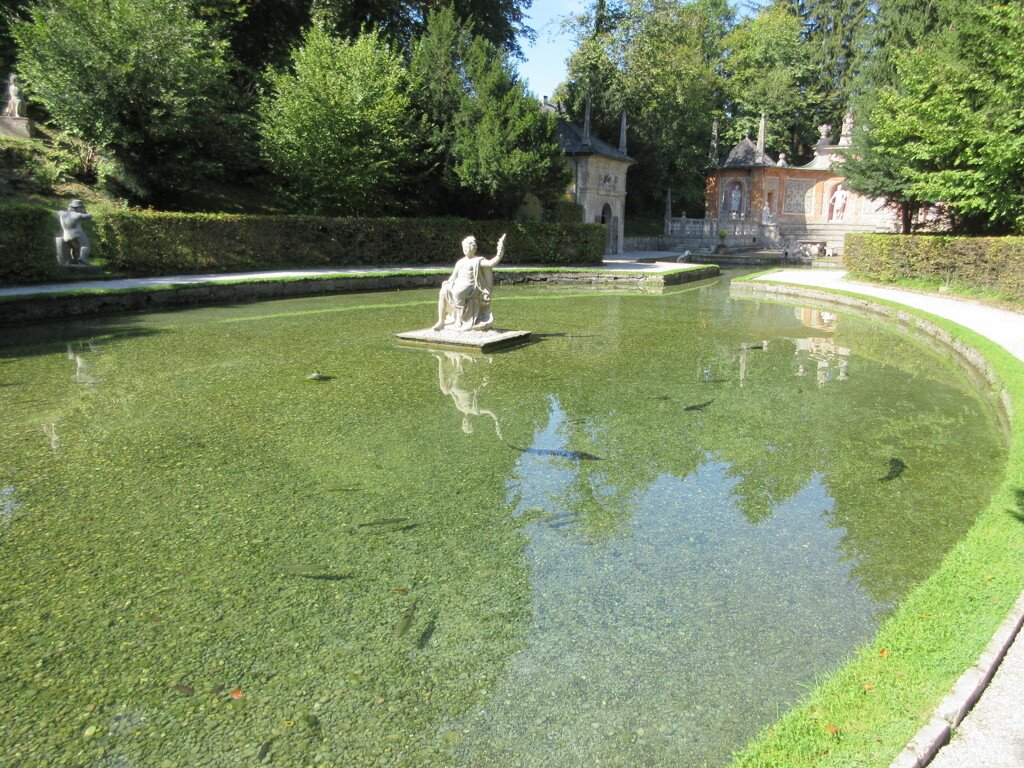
950	128
767	70
657	60
486	141
335	128
144	79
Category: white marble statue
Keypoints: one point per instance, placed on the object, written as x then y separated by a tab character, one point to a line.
465	300
838	201
15	106
735	199
72	244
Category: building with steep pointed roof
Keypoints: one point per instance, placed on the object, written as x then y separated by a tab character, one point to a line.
598	171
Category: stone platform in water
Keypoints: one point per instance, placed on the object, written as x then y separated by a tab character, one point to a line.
481	341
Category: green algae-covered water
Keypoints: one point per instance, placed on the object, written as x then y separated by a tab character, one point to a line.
632	543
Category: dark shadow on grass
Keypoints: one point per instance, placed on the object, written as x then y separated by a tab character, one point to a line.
1018	513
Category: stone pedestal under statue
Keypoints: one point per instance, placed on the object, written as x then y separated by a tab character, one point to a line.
17	127
480	341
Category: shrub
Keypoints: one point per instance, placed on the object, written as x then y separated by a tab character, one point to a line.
152	243
27	235
990	264
563	211
336	129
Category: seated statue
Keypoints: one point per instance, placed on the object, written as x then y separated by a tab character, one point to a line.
465	300
72	244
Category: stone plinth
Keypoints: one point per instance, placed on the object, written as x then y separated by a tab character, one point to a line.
18	127
480	341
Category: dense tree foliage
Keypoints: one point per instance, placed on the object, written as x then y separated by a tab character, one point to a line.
657	60
415	104
484	142
336	129
8	50
838	33
145	79
401	22
768	70
945	123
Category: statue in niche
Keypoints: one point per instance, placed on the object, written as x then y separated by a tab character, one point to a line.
465	300
72	244
15	105
838	202
735	201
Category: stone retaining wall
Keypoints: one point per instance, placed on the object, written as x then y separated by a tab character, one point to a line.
44	306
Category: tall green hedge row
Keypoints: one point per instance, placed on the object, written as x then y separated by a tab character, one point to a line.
989	264
27	250
153	243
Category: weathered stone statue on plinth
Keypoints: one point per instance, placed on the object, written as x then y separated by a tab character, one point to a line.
13	121
464	315
72	244
465	300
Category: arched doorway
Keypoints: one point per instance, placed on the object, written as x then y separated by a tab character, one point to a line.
611	222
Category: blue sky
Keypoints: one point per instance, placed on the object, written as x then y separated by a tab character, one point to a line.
544	67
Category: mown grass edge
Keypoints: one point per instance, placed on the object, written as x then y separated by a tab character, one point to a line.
866	712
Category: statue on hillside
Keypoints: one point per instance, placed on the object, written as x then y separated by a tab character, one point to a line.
15	105
465	300
72	244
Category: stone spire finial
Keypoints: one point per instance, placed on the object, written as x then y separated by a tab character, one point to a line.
760	137
622	134
586	124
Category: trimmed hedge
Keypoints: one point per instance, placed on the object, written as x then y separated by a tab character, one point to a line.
564	212
990	264
154	243
27	251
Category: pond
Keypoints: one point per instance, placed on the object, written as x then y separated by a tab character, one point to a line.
633	542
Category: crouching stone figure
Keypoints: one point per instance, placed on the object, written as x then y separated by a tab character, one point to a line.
72	244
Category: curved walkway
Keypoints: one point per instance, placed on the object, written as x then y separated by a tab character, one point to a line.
992	734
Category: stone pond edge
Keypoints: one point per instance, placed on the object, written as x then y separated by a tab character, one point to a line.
968	688
83	302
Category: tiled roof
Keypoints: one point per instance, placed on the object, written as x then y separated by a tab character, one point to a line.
745	155
570	140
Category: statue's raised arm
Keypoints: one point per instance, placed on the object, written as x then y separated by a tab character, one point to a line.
499	254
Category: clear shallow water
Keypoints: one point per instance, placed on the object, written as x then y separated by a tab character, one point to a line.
536	557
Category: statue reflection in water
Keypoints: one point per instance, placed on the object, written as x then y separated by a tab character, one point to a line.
453	373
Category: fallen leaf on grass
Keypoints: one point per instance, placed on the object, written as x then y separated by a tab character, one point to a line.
832	729
868	687
884	653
